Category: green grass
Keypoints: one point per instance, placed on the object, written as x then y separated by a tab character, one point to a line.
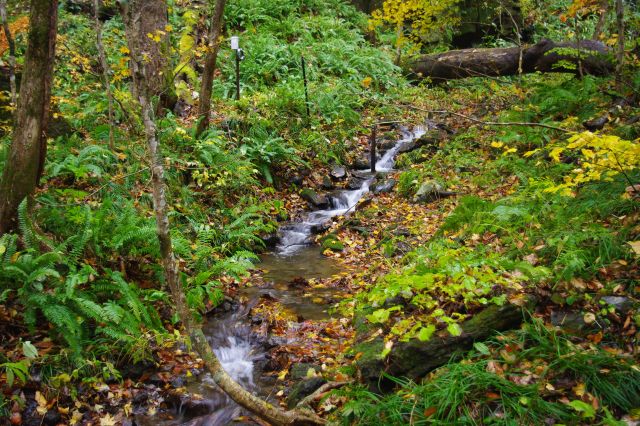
471	392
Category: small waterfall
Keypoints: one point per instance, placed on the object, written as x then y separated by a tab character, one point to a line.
294	236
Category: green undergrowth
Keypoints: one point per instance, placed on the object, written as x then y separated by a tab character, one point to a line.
512	233
532	376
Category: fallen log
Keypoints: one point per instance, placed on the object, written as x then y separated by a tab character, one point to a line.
587	57
414	359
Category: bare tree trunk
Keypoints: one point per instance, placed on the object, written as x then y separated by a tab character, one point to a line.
602	20
261	408
12	52
206	86
105	70
145	23
620	46
27	152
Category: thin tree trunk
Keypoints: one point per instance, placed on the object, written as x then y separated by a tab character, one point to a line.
105	70
620	46
602	20
206	86
25	161
12	52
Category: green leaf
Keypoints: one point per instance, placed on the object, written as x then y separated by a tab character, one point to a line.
381	315
585	409
454	329
29	350
482	348
387	349
425	333
10	377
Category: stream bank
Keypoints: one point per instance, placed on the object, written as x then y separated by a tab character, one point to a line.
298	283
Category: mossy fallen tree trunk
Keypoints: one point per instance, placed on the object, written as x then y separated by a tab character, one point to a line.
414	359
587	57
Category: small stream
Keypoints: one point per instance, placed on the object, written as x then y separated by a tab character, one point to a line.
294	257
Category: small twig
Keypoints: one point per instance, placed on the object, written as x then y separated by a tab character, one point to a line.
319	393
490	123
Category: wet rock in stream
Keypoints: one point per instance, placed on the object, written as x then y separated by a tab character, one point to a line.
188	405
338	173
271	241
315	200
431	140
327	183
384	187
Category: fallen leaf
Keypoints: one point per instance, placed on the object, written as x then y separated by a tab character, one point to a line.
635	246
42	403
107	420
589	317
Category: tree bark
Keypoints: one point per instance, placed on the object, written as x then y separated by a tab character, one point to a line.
27	152
602	20
540	57
12	52
206	86
263	409
146	24
105	70
620	45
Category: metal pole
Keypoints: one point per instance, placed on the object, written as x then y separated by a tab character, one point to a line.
372	148
237	74
306	91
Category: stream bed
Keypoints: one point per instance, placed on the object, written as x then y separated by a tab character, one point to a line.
295	257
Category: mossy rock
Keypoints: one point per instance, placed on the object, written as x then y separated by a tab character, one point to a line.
332	242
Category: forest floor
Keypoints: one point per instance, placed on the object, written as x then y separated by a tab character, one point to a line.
377	239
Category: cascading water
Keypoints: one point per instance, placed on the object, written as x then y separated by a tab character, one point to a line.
230	335
295	236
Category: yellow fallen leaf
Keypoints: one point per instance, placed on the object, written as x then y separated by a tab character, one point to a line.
107	420
42	403
635	246
76	416
589	317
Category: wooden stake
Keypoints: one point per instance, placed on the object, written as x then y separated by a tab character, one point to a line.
372	148
306	91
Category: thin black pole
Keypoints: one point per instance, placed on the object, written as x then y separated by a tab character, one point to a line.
372	148
306	91
237	74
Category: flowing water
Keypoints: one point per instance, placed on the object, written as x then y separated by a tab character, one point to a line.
294	257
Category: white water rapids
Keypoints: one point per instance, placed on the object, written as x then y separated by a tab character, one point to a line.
294	236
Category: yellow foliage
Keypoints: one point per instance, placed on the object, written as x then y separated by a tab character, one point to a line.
601	158
425	17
